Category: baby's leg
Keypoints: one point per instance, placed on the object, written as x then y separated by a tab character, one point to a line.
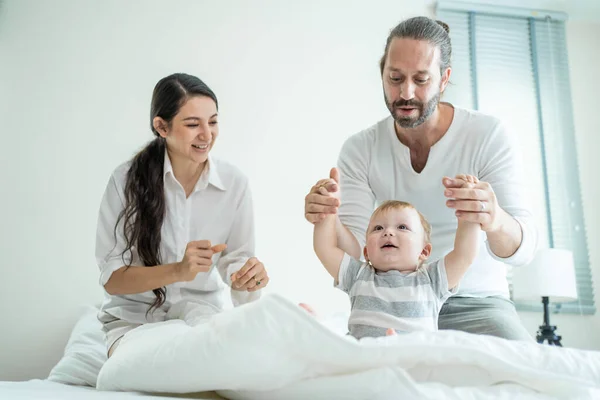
308	308
311	311
337	323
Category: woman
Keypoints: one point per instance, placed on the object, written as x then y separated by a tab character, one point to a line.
170	214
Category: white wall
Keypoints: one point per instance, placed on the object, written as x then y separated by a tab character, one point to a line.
294	79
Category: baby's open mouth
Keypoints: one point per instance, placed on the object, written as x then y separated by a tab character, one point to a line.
389	245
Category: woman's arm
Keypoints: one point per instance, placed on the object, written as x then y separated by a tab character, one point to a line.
240	253
136	279
131	280
115	276
110	241
241	237
121	271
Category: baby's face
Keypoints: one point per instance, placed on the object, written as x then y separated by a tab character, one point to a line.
395	240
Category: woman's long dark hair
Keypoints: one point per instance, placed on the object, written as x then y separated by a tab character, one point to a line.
144	210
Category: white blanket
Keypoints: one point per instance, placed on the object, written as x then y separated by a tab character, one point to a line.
273	349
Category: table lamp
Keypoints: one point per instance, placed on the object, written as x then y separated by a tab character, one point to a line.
551	277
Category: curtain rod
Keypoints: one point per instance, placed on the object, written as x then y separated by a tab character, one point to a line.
467	6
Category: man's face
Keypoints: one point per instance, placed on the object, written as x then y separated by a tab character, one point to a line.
412	83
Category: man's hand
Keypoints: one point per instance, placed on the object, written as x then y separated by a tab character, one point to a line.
476	203
323	198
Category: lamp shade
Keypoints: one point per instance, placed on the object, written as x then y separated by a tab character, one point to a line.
550	274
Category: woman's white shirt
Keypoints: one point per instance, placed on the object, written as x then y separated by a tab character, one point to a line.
219	209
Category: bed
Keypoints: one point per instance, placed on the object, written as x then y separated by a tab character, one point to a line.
273	349
48	390
75	375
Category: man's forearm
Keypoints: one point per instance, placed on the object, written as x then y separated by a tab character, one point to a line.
506	240
346	240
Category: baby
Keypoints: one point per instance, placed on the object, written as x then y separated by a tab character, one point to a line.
395	288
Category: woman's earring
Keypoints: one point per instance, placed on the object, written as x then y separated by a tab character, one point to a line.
369	262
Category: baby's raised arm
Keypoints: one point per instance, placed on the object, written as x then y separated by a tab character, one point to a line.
466	243
325	242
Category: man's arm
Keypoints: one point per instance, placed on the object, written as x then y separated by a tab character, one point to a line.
514	240
507	239
499	202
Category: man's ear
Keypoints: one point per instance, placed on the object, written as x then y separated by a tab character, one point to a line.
426	252
160	126
445	79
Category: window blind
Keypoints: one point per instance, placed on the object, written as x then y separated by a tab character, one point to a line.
512	63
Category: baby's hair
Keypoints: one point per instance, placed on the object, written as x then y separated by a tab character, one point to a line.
397	204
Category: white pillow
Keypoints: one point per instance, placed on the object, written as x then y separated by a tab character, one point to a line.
85	352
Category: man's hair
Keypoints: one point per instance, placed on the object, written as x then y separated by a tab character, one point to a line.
422	28
397	204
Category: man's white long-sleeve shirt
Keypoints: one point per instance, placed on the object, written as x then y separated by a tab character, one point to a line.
375	166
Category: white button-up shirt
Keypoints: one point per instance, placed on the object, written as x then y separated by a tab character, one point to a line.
219	209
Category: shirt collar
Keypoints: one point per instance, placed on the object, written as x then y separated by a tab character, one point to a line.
210	174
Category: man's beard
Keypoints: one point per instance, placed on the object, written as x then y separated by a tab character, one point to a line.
424	111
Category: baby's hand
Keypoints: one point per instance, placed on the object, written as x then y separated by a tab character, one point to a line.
468	181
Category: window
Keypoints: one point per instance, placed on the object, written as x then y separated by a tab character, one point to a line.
512	63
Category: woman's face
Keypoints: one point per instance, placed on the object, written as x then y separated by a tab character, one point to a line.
192	131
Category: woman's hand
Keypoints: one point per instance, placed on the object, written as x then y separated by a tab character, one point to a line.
197	258
251	277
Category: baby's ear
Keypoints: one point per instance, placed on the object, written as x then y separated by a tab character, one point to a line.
426	252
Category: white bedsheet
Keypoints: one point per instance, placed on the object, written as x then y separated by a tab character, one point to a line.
272	349
47	390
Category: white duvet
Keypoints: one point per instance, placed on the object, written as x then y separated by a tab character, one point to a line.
273	349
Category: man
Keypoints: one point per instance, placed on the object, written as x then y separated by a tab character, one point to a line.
409	155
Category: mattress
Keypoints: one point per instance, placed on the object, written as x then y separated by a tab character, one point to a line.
43	389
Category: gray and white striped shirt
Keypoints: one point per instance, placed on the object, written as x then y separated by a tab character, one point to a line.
403	301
